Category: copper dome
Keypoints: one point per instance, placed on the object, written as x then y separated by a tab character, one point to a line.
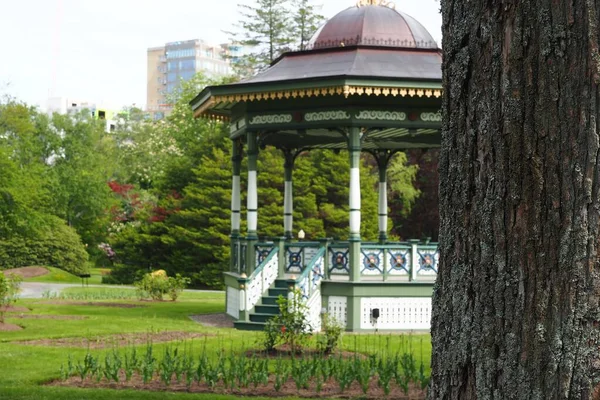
373	25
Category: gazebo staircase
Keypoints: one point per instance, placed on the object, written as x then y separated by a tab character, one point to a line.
266	309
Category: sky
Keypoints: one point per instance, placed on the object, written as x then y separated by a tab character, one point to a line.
95	50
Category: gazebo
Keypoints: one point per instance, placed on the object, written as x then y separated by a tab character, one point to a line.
370	81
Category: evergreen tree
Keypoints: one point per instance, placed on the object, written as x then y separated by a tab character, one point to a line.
305	21
265	27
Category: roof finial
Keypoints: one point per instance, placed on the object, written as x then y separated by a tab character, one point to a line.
384	3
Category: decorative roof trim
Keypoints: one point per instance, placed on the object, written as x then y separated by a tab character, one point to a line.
384	3
346	90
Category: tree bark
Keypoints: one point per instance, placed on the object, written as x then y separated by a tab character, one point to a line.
516	312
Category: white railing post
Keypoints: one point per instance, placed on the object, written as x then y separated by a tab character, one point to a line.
414	268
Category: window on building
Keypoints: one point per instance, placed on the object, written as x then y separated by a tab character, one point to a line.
187	64
172	77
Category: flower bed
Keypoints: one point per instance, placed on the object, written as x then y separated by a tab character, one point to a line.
373	376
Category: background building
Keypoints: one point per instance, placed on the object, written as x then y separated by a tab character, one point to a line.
72	106
176	61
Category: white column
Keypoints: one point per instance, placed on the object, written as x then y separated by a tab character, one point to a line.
355	200
252	202
383	206
252	199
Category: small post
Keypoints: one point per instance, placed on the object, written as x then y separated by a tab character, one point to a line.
325	244
244	314
386	263
414	259
280	244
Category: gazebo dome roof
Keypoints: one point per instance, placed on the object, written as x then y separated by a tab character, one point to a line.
375	25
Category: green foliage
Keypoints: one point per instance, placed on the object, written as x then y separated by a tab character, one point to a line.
290	326
332	334
157	284
401	178
305	21
153	286
235	371
264	27
58	246
9	289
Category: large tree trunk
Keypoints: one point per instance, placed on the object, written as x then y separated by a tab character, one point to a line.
516	312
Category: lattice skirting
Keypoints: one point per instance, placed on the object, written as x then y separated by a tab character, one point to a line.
404	313
233	302
336	307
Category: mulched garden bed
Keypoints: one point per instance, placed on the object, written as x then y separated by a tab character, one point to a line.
5	327
285	352
27	272
121	340
329	390
39	316
12	309
220	320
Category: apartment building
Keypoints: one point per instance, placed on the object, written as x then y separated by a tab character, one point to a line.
174	62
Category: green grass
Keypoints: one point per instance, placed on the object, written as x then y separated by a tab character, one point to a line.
57	275
24	369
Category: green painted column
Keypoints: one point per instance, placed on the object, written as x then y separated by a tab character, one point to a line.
252	202
288	200
353	313
236	161
354	147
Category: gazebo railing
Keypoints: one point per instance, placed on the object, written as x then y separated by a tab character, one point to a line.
412	261
298	255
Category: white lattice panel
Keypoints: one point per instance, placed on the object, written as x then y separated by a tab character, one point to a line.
309	253
233	302
314	311
396	312
336	307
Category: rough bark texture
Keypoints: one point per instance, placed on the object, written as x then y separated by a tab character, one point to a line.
516	302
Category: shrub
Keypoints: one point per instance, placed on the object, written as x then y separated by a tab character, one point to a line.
332	333
176	286
56	246
153	286
9	288
291	326
156	284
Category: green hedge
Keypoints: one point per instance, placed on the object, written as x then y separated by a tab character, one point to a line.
56	246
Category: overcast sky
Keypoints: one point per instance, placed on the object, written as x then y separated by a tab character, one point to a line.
96	50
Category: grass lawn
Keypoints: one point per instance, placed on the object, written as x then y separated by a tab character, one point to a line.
59	276
24	368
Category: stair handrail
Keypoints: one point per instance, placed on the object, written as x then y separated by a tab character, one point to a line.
309	284
259	281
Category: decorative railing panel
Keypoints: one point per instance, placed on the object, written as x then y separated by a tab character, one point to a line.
261	280
427	258
400	261
262	251
372	261
339	259
239	256
298	255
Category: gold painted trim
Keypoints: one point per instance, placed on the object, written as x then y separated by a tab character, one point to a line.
346	90
384	3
